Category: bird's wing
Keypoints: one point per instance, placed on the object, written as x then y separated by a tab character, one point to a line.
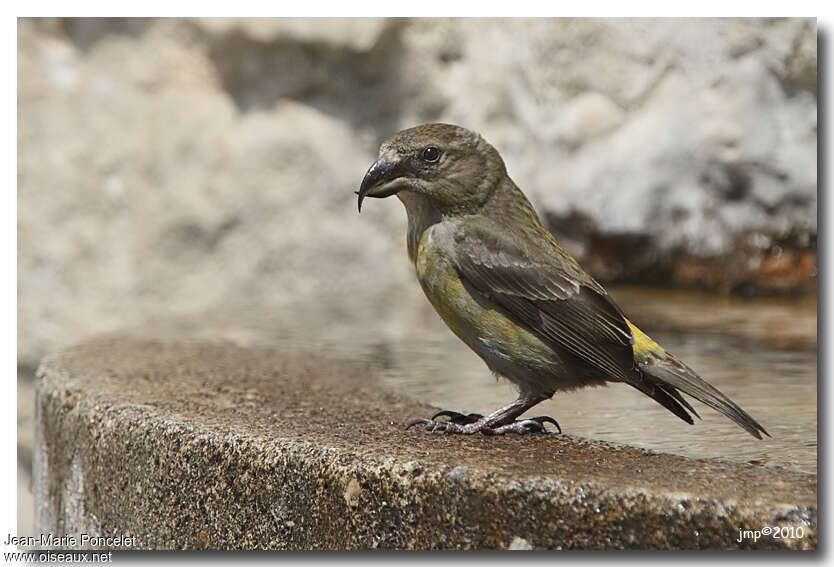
549	295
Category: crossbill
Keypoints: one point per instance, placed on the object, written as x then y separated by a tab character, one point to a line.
506	288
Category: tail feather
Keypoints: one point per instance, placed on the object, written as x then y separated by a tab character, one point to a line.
668	398
677	395
669	376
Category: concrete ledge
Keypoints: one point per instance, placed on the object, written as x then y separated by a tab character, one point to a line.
192	445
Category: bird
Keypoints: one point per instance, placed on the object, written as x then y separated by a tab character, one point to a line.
505	286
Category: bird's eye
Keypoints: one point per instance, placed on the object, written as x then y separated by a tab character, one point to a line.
430	154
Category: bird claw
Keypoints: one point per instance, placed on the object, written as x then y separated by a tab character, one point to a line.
542	419
532	425
418	421
454	424
473	422
457	417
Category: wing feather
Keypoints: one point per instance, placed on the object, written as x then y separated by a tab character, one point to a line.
551	297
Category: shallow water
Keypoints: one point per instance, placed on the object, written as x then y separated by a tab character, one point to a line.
773	379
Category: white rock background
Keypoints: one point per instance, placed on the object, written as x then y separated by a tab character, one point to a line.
203	170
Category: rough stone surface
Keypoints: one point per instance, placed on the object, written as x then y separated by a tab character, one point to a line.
204	168
195	445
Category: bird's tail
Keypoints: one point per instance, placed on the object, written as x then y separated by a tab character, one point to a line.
664	377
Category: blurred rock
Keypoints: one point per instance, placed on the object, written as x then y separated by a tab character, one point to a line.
359	34
143	193
205	167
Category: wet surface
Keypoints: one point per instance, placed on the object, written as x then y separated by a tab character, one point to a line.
761	353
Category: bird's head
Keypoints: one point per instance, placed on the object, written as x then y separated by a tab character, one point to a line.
451	168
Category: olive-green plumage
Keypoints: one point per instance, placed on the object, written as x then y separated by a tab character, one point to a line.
505	287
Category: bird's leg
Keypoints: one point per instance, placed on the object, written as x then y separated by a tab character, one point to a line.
497	423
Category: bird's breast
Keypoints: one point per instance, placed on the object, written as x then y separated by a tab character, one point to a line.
468	318
506	347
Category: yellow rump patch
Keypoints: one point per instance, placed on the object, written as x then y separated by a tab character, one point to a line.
643	344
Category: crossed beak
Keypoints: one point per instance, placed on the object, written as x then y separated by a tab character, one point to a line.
383	179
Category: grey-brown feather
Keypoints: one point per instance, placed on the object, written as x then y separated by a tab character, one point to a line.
670	372
563	311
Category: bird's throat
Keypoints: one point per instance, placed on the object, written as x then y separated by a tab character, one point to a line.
421	215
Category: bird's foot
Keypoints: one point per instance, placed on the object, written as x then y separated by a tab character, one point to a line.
457	422
468	424
531	425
